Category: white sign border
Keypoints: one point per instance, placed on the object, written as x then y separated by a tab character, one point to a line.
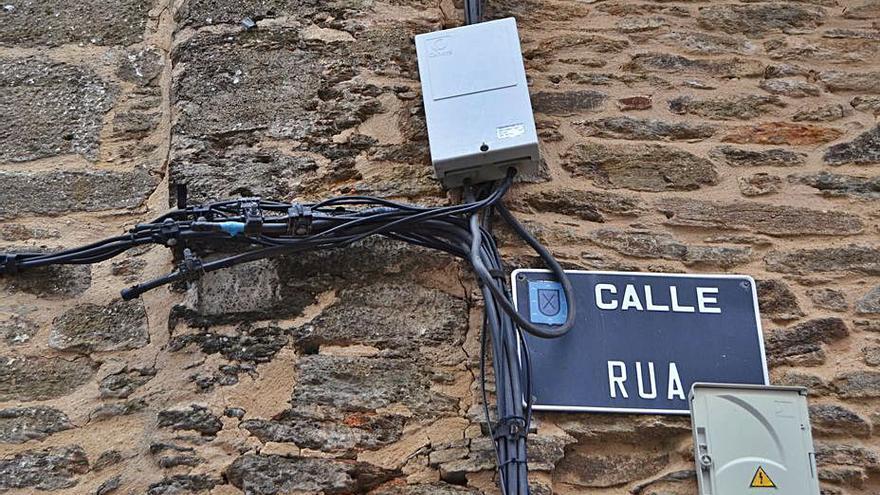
558	408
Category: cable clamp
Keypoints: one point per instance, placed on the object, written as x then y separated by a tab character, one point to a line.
299	221
191	267
10	264
253	216
511	427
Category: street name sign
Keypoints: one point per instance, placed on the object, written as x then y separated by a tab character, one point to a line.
641	339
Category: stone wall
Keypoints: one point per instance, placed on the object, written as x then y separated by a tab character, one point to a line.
678	136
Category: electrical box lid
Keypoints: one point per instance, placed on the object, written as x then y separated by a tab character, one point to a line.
477	107
752	439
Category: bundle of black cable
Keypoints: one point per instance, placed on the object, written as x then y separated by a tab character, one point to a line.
254	229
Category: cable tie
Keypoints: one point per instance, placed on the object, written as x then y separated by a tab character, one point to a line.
305	227
293	214
299	220
496	273
511	461
511	427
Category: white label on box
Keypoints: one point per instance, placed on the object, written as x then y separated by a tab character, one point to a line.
511	131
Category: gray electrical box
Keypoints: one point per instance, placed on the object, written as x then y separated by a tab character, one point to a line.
477	105
752	439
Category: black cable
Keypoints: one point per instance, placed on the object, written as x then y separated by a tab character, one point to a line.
473	11
544	331
248	229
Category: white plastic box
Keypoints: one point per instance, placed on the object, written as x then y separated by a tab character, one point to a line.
752	440
477	106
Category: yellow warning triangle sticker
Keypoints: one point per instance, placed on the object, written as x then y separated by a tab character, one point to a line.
761	480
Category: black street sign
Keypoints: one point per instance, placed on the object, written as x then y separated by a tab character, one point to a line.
641	339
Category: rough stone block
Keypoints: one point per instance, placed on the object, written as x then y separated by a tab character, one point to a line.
846	455
851	258
824	113
286	285
858	384
57	192
41	378
141	66
726	108
863	150
642	244
792	88
120	325
183	483
272	474
642	167
55	468
777	301
21	424
19	232
869	104
196	418
568	102
16	329
274	81
53	23
774	220
436	488
50	282
804	339
124	383
575	43
597	470
839	81
709	44
760	184
870	302
832	419
677	64
739	157
50	108
826	298
401	318
592	206
212	171
329	431
840	185
758	20
644	129
781	133
368	383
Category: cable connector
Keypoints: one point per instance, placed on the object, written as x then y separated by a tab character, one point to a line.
299	221
253	217
190	268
